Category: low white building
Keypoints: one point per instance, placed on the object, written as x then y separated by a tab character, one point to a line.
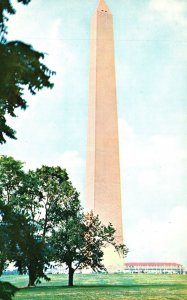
153	267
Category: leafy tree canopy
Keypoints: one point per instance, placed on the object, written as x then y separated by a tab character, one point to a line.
21	68
6	8
80	240
39	199
11	178
7	290
20	232
44	222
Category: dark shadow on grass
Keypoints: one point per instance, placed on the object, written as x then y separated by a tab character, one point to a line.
7	290
108	286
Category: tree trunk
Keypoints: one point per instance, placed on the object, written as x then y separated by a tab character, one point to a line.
71	273
32	278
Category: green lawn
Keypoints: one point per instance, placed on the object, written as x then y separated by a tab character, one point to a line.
104	287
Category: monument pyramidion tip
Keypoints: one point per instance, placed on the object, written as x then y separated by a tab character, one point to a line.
102	7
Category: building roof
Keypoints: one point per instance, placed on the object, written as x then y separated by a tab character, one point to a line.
152	264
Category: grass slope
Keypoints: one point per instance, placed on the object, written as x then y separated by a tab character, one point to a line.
105	286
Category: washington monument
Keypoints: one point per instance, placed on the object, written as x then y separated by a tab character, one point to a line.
103	189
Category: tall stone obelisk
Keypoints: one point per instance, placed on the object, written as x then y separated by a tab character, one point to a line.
103	190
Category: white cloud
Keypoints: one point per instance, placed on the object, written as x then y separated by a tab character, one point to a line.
158	149
172	11
61	53
148	179
154	166
159	161
162	240
75	165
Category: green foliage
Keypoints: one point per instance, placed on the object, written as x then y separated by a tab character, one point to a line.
11	178
23	243
4	237
36	200
4	244
13	228
44	199
21	68
32	257
6	9
79	242
7	290
41	220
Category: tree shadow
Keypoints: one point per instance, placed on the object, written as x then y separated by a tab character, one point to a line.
7	290
109	286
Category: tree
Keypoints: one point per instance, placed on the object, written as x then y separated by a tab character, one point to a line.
40	198
44	222
55	199
9	224
7	290
22	68
32	256
20	232
21	243
80	240
5	241
11	178
56	190
7	8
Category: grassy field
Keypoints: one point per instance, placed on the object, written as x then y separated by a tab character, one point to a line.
104	287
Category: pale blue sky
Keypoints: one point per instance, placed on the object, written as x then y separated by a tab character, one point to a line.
151	71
